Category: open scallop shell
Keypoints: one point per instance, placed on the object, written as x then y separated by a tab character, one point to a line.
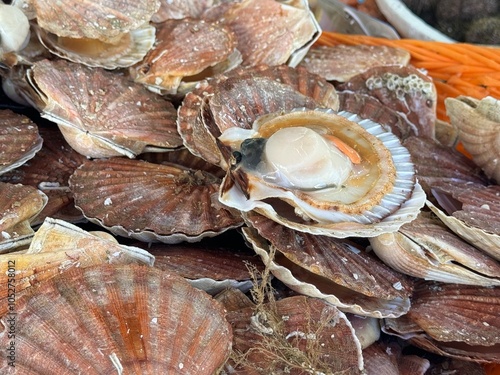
335	270
118	319
103	113
384	196
18	206
199	50
127	50
478	123
19	140
151	202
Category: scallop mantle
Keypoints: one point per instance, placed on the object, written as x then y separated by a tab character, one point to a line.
400	204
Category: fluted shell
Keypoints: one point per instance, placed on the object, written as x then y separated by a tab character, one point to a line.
151	202
247	94
478	122
122	319
57	247
128	49
103	20
19	140
369	189
18	206
299	333
103	113
178	9
342	62
209	268
337	271
427	249
199	50
404	89
49	171
269	32
472	211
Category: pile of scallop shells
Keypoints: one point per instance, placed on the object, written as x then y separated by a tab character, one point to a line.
194	187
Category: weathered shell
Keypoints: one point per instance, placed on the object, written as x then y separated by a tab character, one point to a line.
103	20
342	62
296	335
199	50
404	89
121	319
269	32
334	270
49	171
387	359
18	206
478	122
259	91
178	9
386	196
19	140
425	248
103	113
151	202
472	212
127	50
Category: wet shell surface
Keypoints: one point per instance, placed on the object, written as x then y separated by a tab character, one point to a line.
102	113
110	18
478	122
127	50
122	319
19	140
178	9
322	173
199	50
151	202
342	62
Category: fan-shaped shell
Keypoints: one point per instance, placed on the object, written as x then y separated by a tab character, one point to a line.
385	193
19	140
478	122
103	113
124	319
103	19
178	9
151	202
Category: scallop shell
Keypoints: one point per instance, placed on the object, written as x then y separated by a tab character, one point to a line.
103	20
127	50
269	32
151	202
49	171
382	205
275	89
300	334
425	248
103	113
199	50
404	89
478	122
18	206
337	271
121	319
387	359
19	140
178	9
342	62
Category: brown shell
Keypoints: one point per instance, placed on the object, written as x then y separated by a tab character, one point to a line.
18	206
103	113
103	20
287	88
300	334
342	62
49	171
151	202
199	50
122	319
404	89
178	9
19	140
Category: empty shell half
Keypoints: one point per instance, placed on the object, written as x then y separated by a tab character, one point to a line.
323	173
